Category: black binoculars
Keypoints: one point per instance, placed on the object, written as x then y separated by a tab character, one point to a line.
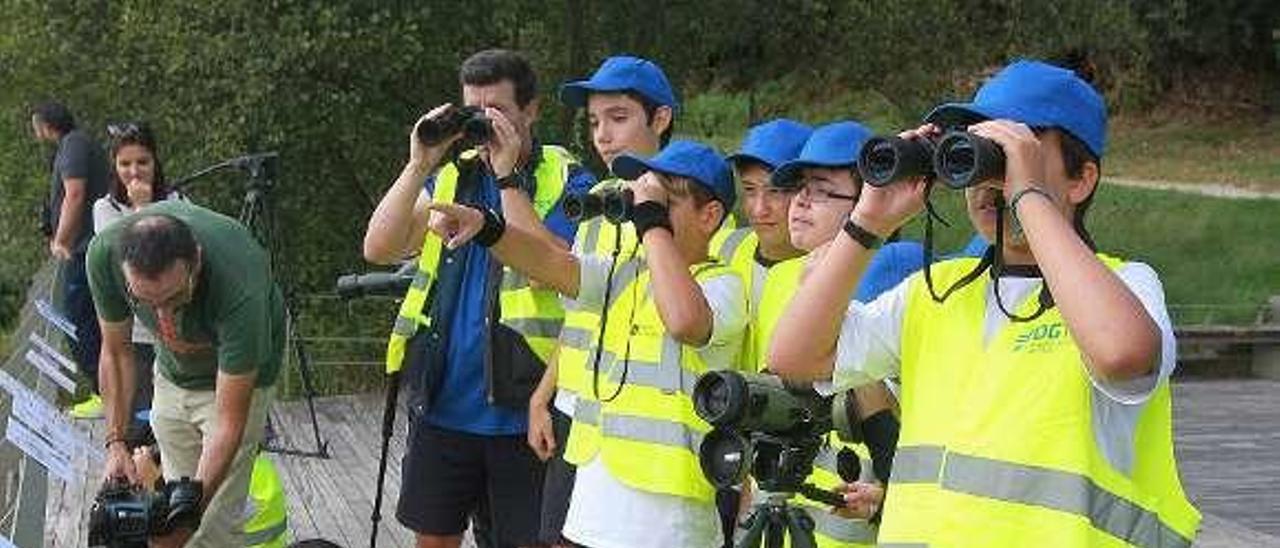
959	158
615	204
476	128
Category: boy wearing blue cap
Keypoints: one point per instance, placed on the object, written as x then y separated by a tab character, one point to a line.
752	249
635	435
475	336
631	108
1035	400
825	184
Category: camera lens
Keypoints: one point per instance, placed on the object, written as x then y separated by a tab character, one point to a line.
884	160
720	397
725	457
963	159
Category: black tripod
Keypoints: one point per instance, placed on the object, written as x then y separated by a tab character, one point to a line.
773	520
257	215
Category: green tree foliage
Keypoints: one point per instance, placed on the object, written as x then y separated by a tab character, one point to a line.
334	86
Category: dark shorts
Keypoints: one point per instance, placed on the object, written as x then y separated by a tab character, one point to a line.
557	488
447	476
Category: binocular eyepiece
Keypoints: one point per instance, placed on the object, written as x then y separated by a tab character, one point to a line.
615	204
959	158
471	122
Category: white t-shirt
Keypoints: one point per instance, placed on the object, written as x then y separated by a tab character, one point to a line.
870	341
605	513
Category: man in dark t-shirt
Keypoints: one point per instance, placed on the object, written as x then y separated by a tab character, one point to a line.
203	285
79	177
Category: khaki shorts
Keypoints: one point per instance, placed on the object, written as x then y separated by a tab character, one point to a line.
182	420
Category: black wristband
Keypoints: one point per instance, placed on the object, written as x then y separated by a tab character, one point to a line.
491	232
650	214
512	180
861	235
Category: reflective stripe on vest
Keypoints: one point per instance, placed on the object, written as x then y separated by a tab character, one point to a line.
647	435
534	313
998	440
1013	482
268	525
581	330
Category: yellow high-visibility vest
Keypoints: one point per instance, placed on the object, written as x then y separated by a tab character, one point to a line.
830	530
534	313
581	328
268	525
648	434
736	248
998	443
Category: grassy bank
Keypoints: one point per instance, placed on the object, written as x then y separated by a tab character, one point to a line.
1235	151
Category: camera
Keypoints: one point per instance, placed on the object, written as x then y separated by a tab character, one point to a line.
124	515
770	429
471	122
959	158
615	204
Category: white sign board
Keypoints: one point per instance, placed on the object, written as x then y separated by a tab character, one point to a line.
56	460
50	369
56	318
52	352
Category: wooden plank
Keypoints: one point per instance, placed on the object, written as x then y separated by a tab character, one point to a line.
1227	442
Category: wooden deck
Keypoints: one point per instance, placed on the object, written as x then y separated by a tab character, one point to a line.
1228	447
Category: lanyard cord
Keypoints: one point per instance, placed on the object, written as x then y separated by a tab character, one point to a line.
992	261
998	266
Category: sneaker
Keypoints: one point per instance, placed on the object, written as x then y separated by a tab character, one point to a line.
88	409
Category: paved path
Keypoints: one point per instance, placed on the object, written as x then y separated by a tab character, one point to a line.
1216	190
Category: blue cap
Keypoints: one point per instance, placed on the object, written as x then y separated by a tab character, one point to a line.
694	160
622	73
773	143
832	145
1039	95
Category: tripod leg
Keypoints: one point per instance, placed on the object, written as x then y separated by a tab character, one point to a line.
304	367
388	425
755	525
775	531
800	528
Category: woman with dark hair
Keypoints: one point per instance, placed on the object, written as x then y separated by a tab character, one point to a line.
137	180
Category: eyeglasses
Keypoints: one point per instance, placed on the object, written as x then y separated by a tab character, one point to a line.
178	298
815	195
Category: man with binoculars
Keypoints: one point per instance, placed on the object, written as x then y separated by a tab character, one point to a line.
473	336
679	314
1035	398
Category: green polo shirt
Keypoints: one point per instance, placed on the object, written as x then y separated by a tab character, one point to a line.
235	320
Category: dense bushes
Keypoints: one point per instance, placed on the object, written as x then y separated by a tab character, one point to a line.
334	85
